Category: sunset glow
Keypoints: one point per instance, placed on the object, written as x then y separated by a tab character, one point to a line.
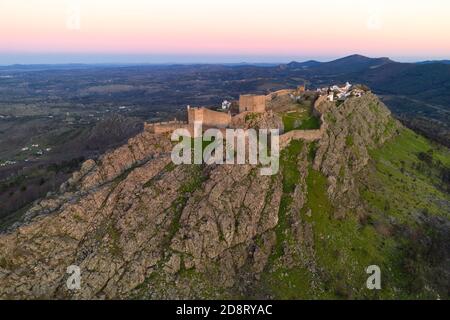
397	28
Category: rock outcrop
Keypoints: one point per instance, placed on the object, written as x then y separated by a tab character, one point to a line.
352	129
138	226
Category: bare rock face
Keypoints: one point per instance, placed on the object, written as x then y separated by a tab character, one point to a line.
138	226
229	212
135	213
256	120
352	129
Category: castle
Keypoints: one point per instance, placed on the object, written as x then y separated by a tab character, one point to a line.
210	118
250	103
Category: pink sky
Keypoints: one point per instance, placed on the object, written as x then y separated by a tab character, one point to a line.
396	28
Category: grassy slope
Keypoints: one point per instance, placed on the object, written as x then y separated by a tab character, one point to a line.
400	193
398	187
279	281
344	248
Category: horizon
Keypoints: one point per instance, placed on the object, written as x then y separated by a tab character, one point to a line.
69	59
201	31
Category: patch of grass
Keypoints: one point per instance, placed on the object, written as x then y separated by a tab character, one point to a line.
186	190
289	284
114	234
349	141
344	248
331	118
5	264
197	178
312	151
251	116
300	119
291	175
296	121
312	123
288	161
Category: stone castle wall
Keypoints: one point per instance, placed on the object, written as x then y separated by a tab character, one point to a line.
209	118
252	103
247	105
307	135
164	127
279	93
322	105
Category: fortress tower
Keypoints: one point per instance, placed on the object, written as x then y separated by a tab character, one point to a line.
252	103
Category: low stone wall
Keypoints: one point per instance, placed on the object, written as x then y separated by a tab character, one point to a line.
278	93
322	105
169	128
308	135
164	127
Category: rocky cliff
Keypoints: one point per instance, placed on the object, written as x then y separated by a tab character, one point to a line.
140	227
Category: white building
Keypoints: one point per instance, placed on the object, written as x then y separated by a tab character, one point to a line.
226	105
347	87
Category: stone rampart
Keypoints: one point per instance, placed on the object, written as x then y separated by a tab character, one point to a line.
209	118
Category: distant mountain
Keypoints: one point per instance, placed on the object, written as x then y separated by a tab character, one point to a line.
427	81
350	64
256	64
434	61
411	79
53	67
411	90
303	65
353	63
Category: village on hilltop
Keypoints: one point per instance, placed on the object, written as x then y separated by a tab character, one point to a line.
336	93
